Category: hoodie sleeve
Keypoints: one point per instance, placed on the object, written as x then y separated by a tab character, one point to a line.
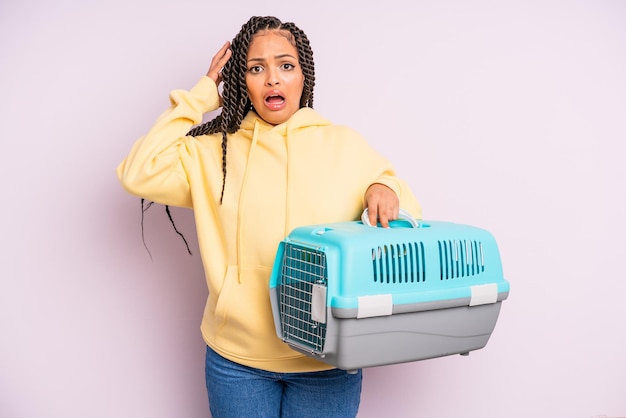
383	172
155	167
351	158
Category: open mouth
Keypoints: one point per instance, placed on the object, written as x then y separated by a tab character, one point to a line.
274	100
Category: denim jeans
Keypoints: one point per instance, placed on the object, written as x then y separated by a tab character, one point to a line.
237	391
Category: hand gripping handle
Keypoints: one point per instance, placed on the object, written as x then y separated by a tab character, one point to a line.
403	214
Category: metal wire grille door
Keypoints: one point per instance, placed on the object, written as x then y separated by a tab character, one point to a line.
303	275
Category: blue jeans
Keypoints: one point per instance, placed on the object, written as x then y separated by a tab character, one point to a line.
237	391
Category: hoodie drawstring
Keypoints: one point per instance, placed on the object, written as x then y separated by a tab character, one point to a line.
255	138
288	183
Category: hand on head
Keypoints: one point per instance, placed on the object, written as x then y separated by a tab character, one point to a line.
218	62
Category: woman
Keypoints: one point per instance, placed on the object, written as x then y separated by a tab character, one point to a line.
265	165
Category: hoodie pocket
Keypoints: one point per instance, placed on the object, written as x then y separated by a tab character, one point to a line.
223	298
244	322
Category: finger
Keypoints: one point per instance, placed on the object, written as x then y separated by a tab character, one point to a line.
219	55
395	212
224	55
372	214
387	212
218	61
383	218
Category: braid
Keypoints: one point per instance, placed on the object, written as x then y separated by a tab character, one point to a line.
206	128
305	56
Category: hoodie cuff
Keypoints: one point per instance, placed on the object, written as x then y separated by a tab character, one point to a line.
205	91
391	182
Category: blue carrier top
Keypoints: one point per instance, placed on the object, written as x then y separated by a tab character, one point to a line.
361	271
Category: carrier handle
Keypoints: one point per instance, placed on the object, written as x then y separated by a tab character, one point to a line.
403	214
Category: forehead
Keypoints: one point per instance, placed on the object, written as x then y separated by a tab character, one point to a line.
271	40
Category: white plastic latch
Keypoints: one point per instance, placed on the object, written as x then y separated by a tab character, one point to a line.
484	294
376	305
318	303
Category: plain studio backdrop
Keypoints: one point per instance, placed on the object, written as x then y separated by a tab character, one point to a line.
508	115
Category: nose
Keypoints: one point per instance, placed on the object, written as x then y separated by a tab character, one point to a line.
272	78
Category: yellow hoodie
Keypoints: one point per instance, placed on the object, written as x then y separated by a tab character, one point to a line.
304	171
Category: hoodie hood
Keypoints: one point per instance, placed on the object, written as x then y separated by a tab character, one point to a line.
303	118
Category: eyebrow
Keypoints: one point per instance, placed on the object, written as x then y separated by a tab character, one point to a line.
276	57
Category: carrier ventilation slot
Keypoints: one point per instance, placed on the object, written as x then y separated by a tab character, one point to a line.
399	263
302	269
460	258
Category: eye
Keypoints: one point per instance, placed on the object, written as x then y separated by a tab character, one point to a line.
255	69
288	66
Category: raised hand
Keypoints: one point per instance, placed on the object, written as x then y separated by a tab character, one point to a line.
218	62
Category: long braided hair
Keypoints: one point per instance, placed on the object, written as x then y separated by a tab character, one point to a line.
235	101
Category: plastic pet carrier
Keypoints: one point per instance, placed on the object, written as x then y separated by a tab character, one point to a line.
354	296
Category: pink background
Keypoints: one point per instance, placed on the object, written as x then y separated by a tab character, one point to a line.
505	115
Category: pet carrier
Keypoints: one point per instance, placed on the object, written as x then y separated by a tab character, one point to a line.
356	296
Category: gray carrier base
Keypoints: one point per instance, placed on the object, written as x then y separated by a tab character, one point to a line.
354	343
